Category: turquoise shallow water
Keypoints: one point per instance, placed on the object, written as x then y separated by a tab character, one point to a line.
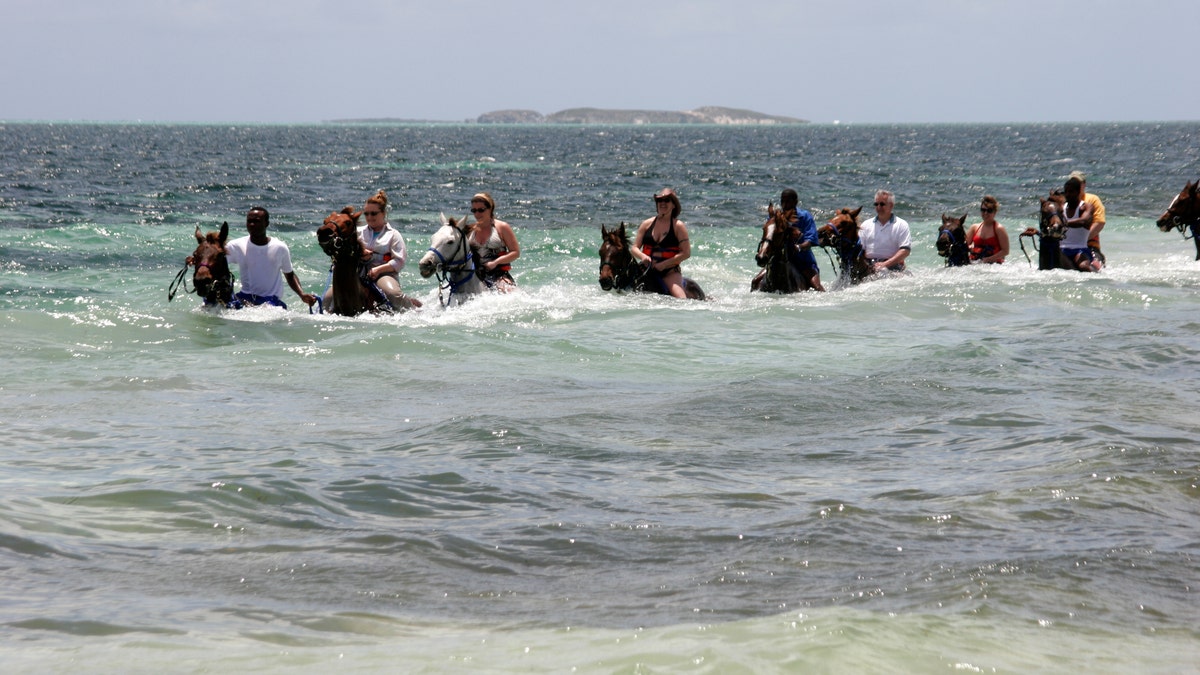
988	469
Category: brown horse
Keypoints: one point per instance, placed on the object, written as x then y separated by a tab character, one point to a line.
212	279
952	241
778	275
1047	237
619	271
353	292
1184	212
841	235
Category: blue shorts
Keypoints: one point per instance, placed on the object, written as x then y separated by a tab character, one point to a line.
252	299
1073	253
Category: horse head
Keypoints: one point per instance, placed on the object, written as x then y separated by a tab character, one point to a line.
841	234
777	234
212	279
615	258
449	249
1184	209
952	240
338	235
1053	223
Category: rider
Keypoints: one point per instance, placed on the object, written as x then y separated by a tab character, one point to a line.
262	260
494	243
662	242
994	247
885	238
801	254
387	249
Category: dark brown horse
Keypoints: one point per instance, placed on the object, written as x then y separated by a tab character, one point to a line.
619	271
1184	212
779	274
1047	238
353	292
212	279
841	235
952	241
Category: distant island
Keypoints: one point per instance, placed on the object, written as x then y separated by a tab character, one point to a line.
705	115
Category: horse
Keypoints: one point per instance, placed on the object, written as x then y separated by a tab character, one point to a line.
353	292
841	235
620	272
778	275
952	241
1047	238
1184	212
212	280
451	258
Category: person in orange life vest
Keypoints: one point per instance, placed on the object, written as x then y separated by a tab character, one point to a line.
662	242
988	240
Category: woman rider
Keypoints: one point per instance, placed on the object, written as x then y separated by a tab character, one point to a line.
662	242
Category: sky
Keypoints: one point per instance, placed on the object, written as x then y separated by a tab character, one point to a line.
851	61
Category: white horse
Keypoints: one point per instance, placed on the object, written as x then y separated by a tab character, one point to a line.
451	258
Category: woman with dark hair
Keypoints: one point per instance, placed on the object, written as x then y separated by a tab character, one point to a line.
662	242
988	240
495	243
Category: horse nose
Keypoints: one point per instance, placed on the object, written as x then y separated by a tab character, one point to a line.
606	283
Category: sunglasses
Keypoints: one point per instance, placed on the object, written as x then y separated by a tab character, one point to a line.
987	209
662	200
371	213
479	210
881	203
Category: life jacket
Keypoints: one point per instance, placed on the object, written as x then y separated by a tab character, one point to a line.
661	250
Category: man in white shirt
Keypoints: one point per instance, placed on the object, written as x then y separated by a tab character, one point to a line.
885	238
264	263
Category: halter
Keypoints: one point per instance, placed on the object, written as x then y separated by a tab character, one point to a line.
446	267
951	254
219	284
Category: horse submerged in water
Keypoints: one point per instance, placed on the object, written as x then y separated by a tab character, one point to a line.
352	291
620	272
212	279
450	257
779	274
841	235
952	241
1184	213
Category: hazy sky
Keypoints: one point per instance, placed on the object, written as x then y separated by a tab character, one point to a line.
822	60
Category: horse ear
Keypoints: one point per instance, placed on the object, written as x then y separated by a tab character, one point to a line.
963	219
199	235
442	217
855	212
603	230
224	232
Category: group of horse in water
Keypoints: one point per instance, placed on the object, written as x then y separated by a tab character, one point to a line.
451	260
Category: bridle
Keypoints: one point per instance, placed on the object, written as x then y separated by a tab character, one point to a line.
1182	223
461	263
222	284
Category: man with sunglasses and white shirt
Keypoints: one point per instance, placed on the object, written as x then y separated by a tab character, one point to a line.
885	238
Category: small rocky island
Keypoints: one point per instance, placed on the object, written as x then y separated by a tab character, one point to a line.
705	115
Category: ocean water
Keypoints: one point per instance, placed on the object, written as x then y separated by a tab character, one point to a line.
989	469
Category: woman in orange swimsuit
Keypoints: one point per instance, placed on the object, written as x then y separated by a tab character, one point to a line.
988	240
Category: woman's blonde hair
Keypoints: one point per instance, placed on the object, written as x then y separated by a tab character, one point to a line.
379	199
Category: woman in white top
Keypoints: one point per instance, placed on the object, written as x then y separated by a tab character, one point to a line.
388	252
494	242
